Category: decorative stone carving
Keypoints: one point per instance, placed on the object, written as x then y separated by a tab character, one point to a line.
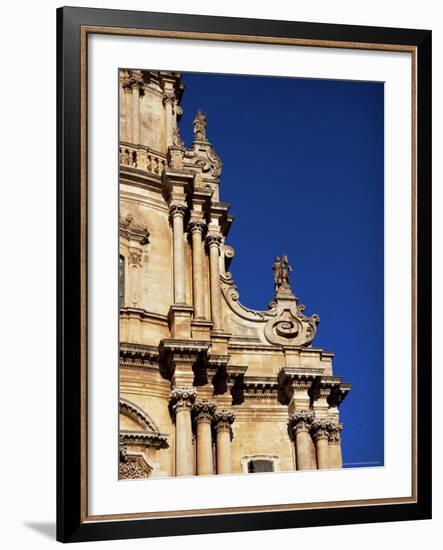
200	123
204	411
213	239
177	209
334	433
135	256
182	398
132	80
133	467
223	418
320	429
177	139
301	421
196	224
169	97
288	324
133	231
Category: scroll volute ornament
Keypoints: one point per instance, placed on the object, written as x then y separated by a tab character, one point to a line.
288	324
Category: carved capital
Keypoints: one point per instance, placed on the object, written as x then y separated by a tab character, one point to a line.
223	419
177	209
196	225
320	429
214	239
334	433
133	79
135	256
182	399
169	98
301	421
204	411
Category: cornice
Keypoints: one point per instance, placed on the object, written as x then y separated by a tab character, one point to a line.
148	439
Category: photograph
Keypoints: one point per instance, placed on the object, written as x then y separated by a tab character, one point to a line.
250	274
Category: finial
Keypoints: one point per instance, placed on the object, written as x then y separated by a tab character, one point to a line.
200	122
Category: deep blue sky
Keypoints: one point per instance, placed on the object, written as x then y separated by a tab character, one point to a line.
303	172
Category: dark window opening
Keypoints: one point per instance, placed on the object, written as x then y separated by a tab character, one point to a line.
255	466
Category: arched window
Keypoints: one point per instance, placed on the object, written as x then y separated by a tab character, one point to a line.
121	281
260	465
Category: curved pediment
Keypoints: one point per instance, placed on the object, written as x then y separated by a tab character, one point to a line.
138	416
283	323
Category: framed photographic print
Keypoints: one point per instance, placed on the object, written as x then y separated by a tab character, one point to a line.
214	176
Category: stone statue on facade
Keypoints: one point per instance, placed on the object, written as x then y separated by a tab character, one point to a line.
281	269
200	122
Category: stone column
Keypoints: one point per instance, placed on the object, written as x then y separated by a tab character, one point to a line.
222	422
335	456
181	401
168	102
134	263
196	228
177	212
300	423
214	241
320	434
204	412
136	86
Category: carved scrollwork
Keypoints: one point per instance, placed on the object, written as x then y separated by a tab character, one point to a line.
335	433
223	418
204	411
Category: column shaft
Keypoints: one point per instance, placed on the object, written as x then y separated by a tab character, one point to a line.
135	114
215	283
321	446
223	451
183	443
179	255
169	123
197	272
304	448
204	448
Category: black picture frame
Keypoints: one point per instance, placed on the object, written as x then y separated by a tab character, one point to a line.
72	525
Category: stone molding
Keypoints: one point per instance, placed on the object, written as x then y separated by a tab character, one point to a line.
137	414
155	440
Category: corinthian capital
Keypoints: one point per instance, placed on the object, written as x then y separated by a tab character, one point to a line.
177	208
320	429
223	419
334	433
213	239
133	79
168	97
196	224
182	399
301	421
204	411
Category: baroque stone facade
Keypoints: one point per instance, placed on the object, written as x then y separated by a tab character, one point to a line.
207	385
